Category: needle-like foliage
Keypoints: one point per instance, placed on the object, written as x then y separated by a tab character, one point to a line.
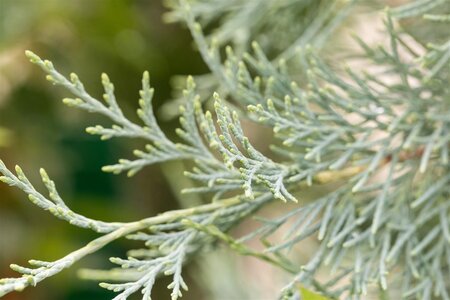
381	136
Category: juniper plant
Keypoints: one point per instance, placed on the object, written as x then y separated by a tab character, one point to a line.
382	137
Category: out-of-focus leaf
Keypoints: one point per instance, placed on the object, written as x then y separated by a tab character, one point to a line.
310	295
5	137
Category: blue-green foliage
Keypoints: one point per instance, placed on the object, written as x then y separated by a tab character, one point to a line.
381	137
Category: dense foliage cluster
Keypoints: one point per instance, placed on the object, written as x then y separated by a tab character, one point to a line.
380	136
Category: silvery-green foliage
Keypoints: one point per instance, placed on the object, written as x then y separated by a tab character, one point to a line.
169	240
297	24
381	137
398	127
244	21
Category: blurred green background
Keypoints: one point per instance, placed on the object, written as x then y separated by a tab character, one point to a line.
122	38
